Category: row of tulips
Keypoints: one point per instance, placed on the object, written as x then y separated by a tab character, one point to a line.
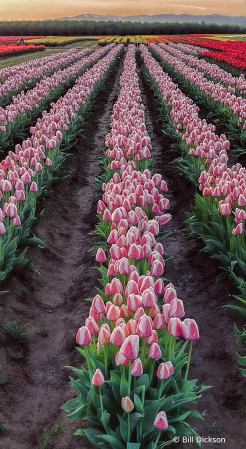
26	67
26	76
133	392
219	214
13	49
232	53
26	107
229	109
29	173
234	84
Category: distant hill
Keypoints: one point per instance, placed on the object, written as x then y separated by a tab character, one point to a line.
181	18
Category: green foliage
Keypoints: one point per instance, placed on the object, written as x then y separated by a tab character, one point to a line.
14	330
48	434
101	407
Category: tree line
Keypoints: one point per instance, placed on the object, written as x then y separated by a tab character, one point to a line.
102	28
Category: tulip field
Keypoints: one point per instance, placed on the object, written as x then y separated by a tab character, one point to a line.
123	249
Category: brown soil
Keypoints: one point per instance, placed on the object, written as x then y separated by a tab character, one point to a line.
37	385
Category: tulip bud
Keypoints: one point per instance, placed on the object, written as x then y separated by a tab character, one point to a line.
161	421
127	404
83	336
137	368
98	378
100	255
165	370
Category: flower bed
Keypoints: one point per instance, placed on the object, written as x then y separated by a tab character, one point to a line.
13	49
133	391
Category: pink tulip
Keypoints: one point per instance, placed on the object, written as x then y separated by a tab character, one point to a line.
155	351
100	255
130	347
117	337
190	329
33	187
11	210
121	360
113	313
161	421
153	338
16	221
145	327
137	368
98	305
159	321
2	229
156	269
165	370
98	378
239	229
83	336
159	287
134	302
91	325
176	309
103	336
149	299
175	327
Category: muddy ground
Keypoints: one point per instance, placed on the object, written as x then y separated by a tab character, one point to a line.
38	383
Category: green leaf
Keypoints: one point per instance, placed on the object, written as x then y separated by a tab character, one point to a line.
143	381
123	428
71	405
113	441
79	413
123	387
80	432
93	435
133	446
138	404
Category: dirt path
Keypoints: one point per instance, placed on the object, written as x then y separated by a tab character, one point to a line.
37	384
193	275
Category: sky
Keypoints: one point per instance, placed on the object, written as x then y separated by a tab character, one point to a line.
51	9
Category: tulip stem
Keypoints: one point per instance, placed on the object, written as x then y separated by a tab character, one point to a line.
157	439
128	427
188	361
143	350
129	378
101	402
161	387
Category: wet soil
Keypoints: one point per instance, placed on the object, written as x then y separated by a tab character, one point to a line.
38	384
193	274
